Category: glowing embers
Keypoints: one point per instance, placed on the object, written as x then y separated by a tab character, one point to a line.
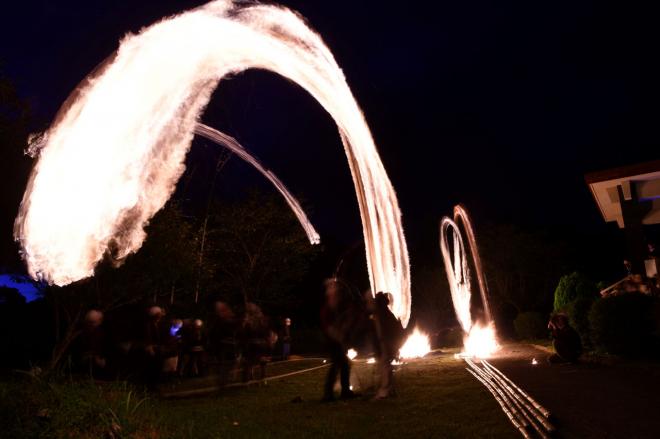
416	346
116	150
479	339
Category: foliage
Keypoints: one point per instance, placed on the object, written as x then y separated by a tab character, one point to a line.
15	116
22	343
530	325
49	408
521	266
165	265
572	286
10	297
578	315
432	305
257	251
165	260
624	325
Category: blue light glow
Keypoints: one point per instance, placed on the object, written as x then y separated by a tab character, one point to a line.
24	285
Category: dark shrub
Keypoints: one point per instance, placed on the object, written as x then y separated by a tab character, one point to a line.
571	287
530	326
578	315
450	337
624	325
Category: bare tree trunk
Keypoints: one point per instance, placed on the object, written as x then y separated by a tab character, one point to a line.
201	255
222	160
63	345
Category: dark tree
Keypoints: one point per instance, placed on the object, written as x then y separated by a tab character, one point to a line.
161	271
522	266
432	303
257	251
14	166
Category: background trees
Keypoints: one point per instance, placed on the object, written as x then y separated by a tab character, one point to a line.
522	266
15	116
257	251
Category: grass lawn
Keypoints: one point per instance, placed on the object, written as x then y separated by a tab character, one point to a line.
436	398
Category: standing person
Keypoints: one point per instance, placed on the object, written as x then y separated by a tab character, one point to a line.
152	347
194	354
222	339
92	344
256	339
286	339
334	314
171	340
390	337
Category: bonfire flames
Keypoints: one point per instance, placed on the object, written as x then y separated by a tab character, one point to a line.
481	342
416	346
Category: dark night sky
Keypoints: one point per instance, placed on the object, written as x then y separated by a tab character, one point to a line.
500	105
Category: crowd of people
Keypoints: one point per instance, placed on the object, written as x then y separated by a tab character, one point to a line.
153	347
160	347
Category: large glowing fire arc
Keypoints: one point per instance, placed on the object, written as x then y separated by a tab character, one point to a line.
113	155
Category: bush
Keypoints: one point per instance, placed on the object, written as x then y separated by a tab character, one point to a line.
530	325
570	287
82	409
624	325
578	315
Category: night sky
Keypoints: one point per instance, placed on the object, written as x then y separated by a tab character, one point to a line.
502	106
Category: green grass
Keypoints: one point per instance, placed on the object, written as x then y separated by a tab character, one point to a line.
436	398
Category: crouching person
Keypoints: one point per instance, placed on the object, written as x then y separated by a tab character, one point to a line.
566	340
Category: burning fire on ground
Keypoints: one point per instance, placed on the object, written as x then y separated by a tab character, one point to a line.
416	346
481	342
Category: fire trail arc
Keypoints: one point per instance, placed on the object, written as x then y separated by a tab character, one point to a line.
479	337
232	144
112	157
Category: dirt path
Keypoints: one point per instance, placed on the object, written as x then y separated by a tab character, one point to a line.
589	400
